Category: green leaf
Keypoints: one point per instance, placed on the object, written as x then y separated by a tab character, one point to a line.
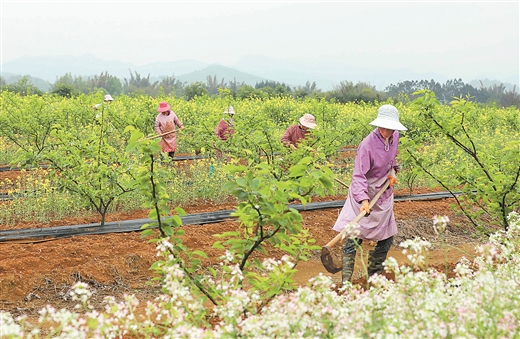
326	182
180	211
284	237
218	245
297	171
152	214
200	254
146	233
177	221
167	229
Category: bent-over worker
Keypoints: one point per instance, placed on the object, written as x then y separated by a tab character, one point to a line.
297	132
224	129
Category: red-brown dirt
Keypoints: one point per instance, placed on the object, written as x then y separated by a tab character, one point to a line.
35	274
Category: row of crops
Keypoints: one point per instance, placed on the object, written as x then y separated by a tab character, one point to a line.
462	146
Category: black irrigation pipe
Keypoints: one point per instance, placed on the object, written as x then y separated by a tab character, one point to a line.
7	196
8	169
51	233
178	158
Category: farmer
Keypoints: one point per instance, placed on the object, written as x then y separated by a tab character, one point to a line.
108	100
375	159
297	132
224	128
166	122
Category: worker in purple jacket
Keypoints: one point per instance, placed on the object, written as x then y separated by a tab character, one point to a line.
375	160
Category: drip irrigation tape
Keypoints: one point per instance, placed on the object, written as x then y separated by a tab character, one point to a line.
21	194
189	157
177	158
50	233
9	168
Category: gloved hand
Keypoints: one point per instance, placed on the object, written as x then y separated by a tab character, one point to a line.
365	207
392	180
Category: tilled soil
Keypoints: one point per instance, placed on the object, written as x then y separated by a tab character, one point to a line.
35	274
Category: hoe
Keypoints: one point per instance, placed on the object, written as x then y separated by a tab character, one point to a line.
326	258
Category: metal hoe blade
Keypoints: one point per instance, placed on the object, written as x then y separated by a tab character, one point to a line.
328	261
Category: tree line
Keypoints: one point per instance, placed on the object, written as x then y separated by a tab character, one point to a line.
346	91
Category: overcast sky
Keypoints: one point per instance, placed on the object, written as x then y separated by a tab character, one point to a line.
462	39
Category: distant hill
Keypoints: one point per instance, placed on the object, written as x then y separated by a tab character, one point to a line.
489	83
327	75
44	70
170	68
221	72
11	78
49	68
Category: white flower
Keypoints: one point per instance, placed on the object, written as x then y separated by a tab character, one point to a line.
351	230
440	223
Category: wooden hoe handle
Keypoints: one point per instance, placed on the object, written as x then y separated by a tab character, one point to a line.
159	135
360	215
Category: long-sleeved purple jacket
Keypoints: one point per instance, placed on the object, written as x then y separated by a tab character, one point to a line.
374	161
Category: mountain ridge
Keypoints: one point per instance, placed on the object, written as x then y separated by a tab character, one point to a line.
249	70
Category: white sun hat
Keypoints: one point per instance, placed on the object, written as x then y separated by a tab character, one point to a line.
308	121
229	110
108	97
388	117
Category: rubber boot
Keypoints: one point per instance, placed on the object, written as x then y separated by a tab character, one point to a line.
348	261
375	262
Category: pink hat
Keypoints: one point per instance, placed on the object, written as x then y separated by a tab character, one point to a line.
163	107
308	121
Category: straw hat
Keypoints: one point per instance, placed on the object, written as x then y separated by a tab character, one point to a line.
163	107
108	97
229	110
388	117
308	120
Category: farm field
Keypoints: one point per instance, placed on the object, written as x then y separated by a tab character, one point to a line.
106	168
40	273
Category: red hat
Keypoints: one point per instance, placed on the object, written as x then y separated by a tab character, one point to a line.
163	107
